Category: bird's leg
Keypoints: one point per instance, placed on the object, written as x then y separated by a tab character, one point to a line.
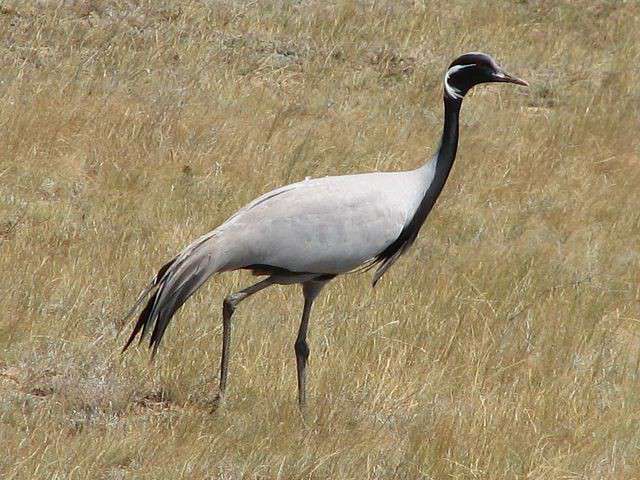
310	291
228	306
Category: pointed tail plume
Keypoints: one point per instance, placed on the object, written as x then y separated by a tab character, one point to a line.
174	283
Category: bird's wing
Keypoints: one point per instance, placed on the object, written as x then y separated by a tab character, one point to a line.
263	198
327	225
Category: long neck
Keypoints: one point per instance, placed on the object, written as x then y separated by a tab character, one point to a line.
435	172
441	164
448	147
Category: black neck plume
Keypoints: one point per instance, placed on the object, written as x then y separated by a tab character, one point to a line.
443	162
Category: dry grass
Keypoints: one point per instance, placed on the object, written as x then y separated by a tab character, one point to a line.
506	345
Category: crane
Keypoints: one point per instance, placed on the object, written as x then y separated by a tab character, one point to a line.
312	231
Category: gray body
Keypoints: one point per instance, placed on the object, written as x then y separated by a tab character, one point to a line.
327	225
311	231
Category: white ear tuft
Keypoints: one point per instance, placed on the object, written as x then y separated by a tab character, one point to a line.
452	91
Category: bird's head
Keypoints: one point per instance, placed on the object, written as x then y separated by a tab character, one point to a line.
471	69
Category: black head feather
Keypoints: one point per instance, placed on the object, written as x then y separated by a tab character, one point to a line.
472	69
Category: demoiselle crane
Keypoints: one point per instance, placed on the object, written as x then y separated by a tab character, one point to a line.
309	232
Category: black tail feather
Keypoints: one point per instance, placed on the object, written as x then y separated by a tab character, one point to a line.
167	310
142	323
144	317
174	283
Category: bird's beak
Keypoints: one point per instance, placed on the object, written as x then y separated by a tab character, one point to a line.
506	78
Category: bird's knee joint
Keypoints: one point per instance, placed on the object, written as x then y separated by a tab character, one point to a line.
228	307
302	349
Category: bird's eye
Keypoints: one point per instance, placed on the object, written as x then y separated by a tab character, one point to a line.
488	69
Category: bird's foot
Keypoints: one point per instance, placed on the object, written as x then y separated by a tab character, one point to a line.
217	403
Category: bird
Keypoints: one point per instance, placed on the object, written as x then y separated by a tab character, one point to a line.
312	231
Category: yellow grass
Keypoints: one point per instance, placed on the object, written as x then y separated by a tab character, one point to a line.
505	345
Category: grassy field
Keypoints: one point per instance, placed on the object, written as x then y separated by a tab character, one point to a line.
505	345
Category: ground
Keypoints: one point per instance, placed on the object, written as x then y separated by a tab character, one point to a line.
504	345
